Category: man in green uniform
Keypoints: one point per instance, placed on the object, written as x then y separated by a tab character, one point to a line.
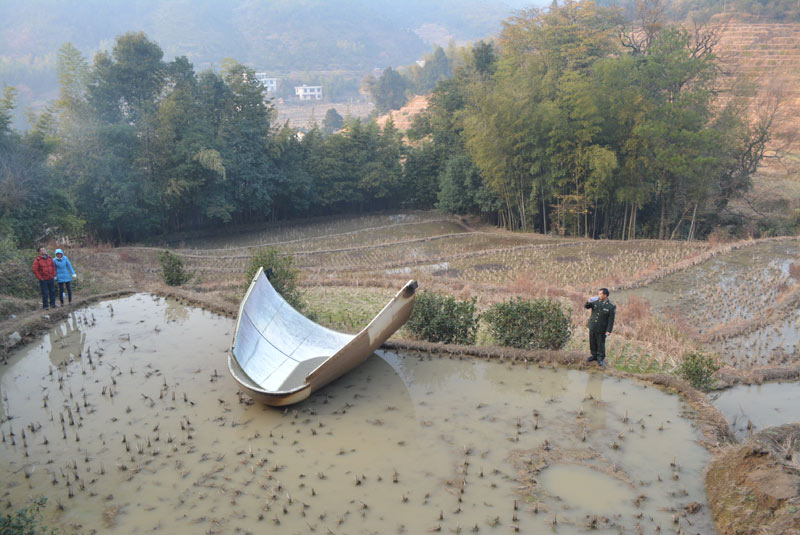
601	323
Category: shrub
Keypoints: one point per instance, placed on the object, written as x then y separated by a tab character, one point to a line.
698	369
441	318
284	274
25	521
16	270
172	269
538	324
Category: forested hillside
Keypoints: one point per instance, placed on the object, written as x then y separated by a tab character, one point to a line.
349	37
558	126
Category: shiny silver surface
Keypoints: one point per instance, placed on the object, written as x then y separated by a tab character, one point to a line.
279	356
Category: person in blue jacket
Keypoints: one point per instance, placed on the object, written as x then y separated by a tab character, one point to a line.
64	274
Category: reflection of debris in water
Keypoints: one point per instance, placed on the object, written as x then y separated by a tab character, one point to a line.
66	340
751	408
156	438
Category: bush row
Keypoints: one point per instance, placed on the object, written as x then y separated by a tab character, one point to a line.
538	324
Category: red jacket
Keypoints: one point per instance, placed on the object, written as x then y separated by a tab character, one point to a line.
44	268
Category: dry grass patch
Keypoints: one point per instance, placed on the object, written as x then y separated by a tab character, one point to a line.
346	309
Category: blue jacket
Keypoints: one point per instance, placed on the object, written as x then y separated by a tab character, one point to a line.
64	271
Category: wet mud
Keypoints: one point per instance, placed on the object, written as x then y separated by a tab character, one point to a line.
753	487
124	417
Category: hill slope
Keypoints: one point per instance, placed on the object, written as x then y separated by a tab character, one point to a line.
351	37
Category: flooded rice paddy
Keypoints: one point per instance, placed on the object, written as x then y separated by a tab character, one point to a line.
331	234
732	290
124	417
753	408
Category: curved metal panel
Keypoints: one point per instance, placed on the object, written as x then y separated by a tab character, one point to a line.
279	356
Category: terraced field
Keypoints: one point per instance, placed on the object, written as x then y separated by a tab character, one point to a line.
768	54
735	300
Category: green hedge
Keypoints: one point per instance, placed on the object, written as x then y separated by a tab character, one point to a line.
441	318
538	324
172	270
698	369
26	521
284	275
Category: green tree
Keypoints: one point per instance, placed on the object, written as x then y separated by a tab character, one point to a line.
462	190
244	136
172	270
283	274
333	166
380	170
420	175
388	91
34	203
116	176
436	69
332	121
521	131
294	195
484	58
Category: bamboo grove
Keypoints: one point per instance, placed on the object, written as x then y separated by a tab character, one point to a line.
568	122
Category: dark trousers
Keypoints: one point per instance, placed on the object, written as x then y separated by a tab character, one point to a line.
48	289
61	291
597	344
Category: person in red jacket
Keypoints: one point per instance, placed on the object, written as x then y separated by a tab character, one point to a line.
45	270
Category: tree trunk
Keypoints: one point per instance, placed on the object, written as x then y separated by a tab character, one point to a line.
662	223
544	214
678	226
692	226
586	223
624	221
632	224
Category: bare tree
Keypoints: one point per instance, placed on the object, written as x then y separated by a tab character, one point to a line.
645	26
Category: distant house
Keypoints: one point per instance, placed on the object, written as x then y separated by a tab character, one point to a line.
271	84
308	92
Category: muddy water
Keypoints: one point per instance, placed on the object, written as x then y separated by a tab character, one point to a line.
585	488
403	444
752	408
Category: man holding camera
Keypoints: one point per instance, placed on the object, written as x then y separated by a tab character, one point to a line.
600	324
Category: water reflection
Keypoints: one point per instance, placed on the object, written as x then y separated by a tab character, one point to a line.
67	341
594	408
175	311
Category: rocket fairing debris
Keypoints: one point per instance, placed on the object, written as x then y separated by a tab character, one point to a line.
279	357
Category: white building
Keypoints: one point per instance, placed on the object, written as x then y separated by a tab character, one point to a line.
308	92
271	84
